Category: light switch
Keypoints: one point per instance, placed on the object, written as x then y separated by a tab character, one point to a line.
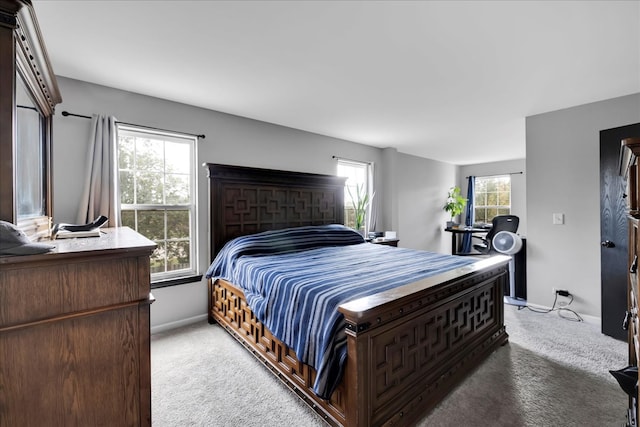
558	218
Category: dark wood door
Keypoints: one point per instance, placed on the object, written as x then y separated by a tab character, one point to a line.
613	231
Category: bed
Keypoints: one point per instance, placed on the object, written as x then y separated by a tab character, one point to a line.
406	347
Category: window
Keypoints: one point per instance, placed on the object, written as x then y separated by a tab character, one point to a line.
357	174
157	186
492	197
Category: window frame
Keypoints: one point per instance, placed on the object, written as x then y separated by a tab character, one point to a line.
498	207
186	275
348	205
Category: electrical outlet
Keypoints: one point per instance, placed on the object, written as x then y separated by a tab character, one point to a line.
561	292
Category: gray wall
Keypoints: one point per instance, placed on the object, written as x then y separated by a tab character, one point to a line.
561	176
422	186
562	165
411	190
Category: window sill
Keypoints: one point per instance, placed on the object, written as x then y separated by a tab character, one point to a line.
175	282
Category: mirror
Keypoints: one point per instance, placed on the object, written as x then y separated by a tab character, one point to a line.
30	155
29	96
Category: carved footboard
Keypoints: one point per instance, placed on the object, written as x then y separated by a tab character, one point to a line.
229	308
410	346
407	347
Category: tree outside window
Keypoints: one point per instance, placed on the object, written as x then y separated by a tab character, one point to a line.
492	197
157	196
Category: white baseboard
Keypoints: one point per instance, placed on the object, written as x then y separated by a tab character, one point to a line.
592	320
177	324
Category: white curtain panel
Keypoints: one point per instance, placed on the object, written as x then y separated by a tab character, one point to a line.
100	196
373	200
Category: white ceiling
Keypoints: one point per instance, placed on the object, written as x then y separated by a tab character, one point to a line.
451	81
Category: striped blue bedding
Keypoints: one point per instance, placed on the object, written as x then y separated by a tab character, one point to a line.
295	279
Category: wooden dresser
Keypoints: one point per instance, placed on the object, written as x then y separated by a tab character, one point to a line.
630	151
74	333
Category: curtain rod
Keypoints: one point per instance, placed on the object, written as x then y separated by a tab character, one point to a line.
496	174
201	136
349	160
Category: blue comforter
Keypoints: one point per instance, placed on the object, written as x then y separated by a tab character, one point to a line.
295	279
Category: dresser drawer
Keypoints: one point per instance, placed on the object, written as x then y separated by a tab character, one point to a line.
59	284
35	293
86	372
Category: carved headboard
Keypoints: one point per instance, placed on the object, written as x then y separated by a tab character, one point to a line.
244	200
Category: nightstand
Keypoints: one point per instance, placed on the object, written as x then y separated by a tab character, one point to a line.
383	241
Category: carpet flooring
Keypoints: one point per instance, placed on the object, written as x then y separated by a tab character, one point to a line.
553	372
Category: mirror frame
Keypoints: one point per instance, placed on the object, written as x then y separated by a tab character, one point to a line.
24	53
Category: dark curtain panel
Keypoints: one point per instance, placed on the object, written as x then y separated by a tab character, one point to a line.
469	220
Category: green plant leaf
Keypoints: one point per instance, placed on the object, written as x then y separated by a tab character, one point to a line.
360	202
455	203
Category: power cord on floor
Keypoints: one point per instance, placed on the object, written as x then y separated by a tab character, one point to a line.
576	317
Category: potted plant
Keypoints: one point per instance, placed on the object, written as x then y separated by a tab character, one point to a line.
360	201
455	204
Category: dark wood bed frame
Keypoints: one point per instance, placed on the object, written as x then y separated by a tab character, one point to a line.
407	347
